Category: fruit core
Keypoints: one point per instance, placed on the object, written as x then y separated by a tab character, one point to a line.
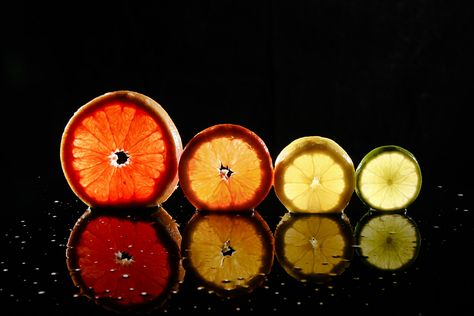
119	158
227	250
225	172
314	242
123	258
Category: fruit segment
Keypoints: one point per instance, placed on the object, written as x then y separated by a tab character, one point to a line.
121	149
388	241
314	247
388	178
229	254
124	262
226	168
314	175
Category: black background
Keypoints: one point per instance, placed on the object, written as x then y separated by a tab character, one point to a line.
364	73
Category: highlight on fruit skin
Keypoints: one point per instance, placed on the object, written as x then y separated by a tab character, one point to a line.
121	149
226	167
228	254
125	261
314	174
387	241
388	178
314	247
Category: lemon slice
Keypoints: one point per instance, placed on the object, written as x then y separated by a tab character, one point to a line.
314	247
387	241
314	175
388	178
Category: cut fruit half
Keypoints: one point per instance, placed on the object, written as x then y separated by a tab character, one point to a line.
388	178
226	167
314	175
228	254
125	262
387	241
121	149
314	247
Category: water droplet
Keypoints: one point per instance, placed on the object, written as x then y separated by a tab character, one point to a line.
435	226
75	295
298	303
119	298
225	281
5	270
200	288
276	293
125	276
107	291
54	273
131	289
237	309
460	194
143	293
41	292
113	270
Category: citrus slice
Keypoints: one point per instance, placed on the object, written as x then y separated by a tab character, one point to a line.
387	241
226	167
228	254
314	247
121	149
388	178
125	262
314	175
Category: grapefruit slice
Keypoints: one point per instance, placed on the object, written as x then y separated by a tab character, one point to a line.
125	262
121	149
314	175
225	167
388	178
228	254
314	247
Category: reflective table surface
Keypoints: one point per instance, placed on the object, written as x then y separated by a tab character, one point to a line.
34	274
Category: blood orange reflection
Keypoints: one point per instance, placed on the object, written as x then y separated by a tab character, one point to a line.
229	254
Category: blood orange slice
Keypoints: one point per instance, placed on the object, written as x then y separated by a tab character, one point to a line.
226	167
125	262
121	149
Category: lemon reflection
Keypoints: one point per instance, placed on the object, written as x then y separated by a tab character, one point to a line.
229	254
125	260
387	241
314	247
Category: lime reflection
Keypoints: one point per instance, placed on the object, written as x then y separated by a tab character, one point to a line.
387	241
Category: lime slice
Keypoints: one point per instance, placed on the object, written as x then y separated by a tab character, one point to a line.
314	175
387	241
388	178
314	247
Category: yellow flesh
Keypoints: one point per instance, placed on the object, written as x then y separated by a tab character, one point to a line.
214	188
314	182
389	181
389	241
314	245
216	233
